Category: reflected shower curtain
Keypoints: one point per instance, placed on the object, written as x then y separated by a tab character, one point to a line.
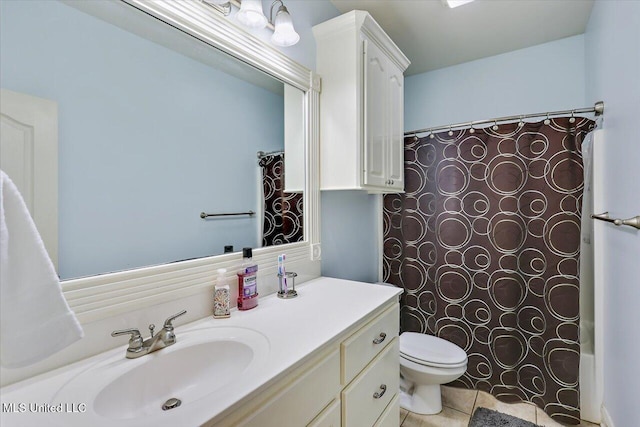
282	212
485	241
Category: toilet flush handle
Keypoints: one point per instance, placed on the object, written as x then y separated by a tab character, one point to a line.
380	338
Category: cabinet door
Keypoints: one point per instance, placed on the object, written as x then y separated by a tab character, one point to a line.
329	417
375	112
395	161
299	403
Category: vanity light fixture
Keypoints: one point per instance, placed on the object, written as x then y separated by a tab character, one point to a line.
456	3
250	14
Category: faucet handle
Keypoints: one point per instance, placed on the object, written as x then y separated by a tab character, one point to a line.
167	323
135	341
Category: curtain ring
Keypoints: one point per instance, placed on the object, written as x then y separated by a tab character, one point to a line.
415	138
520	123
472	130
572	119
450	133
547	121
495	125
431	135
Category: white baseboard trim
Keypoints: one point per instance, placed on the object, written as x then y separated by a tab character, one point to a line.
606	418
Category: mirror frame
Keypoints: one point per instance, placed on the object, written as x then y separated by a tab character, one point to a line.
98	297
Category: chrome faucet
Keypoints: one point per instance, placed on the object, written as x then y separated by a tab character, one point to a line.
139	347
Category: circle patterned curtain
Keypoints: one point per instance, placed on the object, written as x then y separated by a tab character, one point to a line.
283	218
486	243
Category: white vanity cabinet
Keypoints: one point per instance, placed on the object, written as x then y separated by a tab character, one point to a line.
361	105
353	382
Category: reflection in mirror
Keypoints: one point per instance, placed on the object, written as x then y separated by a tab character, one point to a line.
151	134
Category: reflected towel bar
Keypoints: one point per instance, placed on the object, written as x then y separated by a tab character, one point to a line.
631	222
206	215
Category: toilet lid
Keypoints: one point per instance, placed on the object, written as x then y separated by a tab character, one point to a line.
429	350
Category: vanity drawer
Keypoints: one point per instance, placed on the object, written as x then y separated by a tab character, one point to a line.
366	343
391	416
360	407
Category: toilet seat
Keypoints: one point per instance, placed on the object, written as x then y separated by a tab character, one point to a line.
428	350
431	364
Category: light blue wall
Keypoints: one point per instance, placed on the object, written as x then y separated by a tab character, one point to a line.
350	235
613	75
546	77
117	96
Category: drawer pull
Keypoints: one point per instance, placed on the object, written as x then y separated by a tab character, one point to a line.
380	338
379	394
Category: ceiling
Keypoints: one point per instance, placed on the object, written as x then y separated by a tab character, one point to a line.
434	36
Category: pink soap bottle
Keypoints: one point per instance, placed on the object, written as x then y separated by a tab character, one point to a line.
247	281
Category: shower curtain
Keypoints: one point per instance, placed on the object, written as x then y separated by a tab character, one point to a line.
485	241
282	212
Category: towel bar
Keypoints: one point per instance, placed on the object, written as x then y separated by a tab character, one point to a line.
206	215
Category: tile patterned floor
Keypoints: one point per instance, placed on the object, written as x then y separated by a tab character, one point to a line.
458	405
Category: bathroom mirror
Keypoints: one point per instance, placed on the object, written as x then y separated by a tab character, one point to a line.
156	127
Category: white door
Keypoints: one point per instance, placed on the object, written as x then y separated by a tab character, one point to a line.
395	161
375	110
29	155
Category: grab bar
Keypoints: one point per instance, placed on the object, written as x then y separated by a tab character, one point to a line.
631	222
206	215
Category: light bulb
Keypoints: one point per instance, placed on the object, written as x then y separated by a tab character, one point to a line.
284	33
251	15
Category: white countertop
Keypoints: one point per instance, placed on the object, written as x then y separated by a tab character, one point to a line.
296	328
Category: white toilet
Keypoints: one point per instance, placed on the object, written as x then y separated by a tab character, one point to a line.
425	363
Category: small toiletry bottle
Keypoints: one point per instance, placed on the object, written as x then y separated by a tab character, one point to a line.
221	305
247	282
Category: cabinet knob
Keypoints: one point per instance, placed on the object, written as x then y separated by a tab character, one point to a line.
380	338
379	394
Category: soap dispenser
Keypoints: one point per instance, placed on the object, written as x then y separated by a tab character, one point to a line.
247	281
221	305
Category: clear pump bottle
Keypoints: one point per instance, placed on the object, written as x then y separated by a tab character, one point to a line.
221	306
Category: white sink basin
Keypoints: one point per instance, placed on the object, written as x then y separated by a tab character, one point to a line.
203	362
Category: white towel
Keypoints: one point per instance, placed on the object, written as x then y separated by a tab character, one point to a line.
35	319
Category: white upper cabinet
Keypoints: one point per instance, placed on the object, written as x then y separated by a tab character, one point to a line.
361	105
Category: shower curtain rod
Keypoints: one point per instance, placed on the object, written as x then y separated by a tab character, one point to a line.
598	109
262	154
